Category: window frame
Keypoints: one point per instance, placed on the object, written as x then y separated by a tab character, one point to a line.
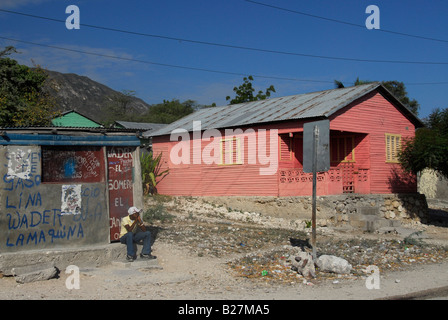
289	145
234	150
393	147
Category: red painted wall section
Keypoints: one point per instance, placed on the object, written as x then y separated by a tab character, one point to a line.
365	121
219	177
375	115
72	164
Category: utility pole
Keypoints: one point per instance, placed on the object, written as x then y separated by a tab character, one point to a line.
316	158
313	216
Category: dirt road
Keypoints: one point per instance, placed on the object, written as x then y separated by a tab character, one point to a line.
217	254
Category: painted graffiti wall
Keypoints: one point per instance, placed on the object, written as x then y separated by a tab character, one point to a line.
120	162
72	164
52	198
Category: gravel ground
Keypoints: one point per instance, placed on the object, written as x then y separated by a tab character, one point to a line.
210	252
262	245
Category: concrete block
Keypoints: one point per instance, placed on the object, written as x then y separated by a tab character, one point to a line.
19	270
32	273
371	211
389	223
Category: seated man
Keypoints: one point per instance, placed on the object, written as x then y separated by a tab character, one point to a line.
130	234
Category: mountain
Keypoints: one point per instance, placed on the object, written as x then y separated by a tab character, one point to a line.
88	97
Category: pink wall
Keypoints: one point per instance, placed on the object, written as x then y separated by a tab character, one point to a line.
367	120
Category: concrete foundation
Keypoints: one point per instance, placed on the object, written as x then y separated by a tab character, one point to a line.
336	209
85	257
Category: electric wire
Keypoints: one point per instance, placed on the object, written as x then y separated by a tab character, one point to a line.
344	22
160	64
187	67
234	46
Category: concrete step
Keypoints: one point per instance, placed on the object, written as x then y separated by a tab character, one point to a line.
137	264
83	257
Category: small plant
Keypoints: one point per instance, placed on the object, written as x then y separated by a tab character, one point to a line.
152	172
410	240
308	224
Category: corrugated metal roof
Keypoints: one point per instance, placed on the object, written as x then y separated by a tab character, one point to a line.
302	106
73	118
140	125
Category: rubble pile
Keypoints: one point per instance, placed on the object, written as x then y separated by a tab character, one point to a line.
336	259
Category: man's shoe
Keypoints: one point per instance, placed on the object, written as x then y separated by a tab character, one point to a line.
147	256
129	258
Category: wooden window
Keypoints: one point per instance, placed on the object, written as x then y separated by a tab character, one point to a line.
393	147
342	149
285	147
231	151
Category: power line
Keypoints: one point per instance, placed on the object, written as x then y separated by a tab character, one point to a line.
233	46
186	67
344	22
425	83
158	63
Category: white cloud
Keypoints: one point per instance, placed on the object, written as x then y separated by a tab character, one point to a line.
105	70
75	59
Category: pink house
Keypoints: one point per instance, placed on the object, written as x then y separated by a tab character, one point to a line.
256	148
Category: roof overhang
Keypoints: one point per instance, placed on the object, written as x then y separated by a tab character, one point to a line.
57	137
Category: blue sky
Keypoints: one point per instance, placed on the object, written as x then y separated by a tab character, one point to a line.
236	23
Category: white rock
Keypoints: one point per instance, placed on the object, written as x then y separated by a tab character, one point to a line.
328	263
303	264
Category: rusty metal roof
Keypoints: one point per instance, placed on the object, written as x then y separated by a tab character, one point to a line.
302	106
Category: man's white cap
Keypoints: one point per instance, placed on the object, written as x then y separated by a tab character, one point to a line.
133	210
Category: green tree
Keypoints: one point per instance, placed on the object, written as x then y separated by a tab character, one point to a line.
429	147
338	84
245	92
438	121
361	82
118	108
23	98
169	111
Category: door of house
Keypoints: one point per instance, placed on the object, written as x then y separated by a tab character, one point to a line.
120	165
